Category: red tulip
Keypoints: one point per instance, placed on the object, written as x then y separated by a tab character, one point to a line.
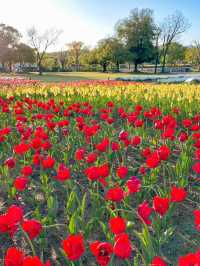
48	162
103	170
178	194
10	162
158	261
117	225
197	219
115	146
34	261
146	152
163	152
123	135
136	140
21	148
27	170
115	194
79	154
74	246
197	154
168	133
14	257
144	212
36	143
32	227
160	205
196	168
63	173
92	173
191	259
122	172
36	159
153	160
102	251
138	123
133	184
103	145
187	123
183	137
20	183
91	158
10	221
122	247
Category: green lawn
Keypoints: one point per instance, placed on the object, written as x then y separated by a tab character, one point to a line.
70	76
75	76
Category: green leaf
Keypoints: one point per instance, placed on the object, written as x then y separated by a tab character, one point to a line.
70	202
72	224
83	206
136	261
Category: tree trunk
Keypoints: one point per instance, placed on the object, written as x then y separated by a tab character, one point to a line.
104	67
135	67
164	58
117	66
156	63
10	66
63	65
164	63
40	69
3	66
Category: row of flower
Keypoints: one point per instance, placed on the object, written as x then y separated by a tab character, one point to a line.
14	81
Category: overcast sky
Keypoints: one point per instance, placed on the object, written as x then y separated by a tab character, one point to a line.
90	20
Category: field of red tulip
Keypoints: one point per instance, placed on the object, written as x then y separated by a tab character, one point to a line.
99	173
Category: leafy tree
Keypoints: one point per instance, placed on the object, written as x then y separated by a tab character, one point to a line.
103	53
89	58
176	53
192	54
119	54
137	33
24	54
9	39
48	62
74	53
85	52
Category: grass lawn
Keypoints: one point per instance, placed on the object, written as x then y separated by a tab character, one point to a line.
75	76
70	76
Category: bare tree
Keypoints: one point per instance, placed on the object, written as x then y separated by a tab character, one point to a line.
41	43
172	27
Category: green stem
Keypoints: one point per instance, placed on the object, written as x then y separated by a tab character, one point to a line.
29	241
53	225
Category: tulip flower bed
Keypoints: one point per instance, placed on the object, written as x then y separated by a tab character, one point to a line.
99	173
13	82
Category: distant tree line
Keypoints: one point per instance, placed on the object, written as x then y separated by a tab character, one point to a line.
137	40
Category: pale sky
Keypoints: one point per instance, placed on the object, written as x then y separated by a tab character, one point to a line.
89	20
44	14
